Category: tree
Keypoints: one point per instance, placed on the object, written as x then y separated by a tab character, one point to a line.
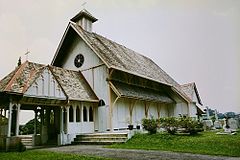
28	128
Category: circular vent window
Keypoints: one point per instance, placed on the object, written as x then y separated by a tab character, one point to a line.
78	61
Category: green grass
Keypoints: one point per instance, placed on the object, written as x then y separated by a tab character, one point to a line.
44	155
203	143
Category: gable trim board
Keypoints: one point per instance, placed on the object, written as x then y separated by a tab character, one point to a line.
83	35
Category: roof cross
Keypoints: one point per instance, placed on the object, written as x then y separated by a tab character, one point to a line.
26	54
83	5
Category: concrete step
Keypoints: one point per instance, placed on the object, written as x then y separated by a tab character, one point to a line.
104	135
26	140
96	142
101	138
94	139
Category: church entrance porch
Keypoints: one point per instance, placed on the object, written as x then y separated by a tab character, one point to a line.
55	122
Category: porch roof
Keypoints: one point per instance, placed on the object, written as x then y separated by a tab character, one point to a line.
137	92
72	83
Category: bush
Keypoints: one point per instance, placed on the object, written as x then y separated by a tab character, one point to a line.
28	128
170	124
3	120
191	126
150	125
21	147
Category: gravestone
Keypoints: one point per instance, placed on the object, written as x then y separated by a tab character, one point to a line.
233	124
217	124
207	124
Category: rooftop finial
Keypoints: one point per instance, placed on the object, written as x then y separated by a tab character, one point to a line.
83	5
26	54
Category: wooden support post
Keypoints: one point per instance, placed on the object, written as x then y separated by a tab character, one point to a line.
131	106
74	113
35	122
61	119
146	105
110	108
67	119
81	112
159	106
9	119
42	121
17	119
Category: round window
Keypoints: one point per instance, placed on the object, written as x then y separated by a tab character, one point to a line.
78	61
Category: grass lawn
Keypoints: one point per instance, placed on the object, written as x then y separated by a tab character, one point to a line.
203	143
44	155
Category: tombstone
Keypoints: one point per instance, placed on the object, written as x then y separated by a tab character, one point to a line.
217	124
207	124
215	114
233	124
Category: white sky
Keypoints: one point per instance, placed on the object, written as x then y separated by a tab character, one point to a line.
192	40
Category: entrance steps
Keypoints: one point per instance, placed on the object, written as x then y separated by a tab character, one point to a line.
101	138
27	140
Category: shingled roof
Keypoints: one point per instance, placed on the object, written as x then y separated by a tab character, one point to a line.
137	92
190	89
73	83
119	57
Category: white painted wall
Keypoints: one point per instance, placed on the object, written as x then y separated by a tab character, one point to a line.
138	113
164	110
152	111
181	108
121	113
80	127
45	86
193	110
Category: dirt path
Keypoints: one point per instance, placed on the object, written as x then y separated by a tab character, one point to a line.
131	154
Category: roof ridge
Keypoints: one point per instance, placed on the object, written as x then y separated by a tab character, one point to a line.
19	70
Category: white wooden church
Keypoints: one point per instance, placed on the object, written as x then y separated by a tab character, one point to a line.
92	85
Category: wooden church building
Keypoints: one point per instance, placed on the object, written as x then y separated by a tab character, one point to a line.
92	85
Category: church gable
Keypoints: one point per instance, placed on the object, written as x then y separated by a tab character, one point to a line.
74	54
102	51
191	91
45	86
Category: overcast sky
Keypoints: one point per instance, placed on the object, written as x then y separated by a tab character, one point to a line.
192	40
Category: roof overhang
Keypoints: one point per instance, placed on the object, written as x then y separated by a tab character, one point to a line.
135	92
197	93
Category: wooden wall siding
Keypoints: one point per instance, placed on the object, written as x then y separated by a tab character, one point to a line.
192	110
45	86
93	69
181	108
122	113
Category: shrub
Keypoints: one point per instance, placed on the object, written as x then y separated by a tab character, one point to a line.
150	125
170	124
21	147
191	126
3	120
